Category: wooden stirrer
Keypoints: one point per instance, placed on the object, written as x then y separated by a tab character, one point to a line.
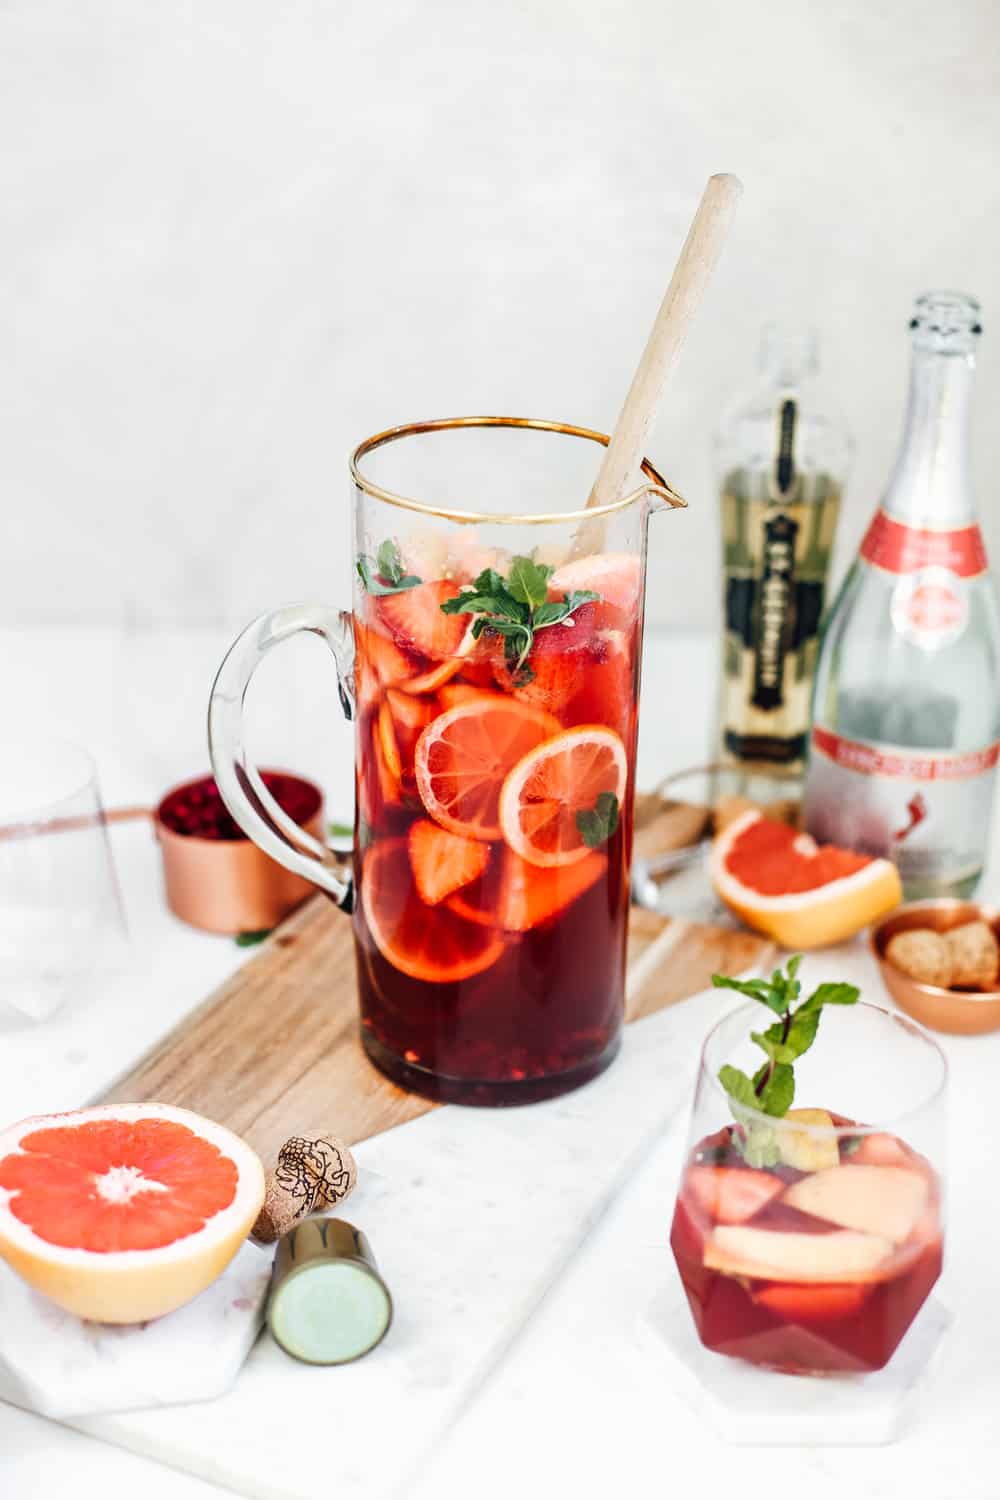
695	264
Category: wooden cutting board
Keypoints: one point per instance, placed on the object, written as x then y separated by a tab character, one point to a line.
275	1050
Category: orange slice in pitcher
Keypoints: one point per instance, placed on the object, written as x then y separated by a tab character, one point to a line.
463	756
425	942
554	782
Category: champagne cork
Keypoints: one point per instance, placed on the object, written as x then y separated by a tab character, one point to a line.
311	1173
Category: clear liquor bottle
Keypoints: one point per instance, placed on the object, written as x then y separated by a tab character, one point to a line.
782	452
906	711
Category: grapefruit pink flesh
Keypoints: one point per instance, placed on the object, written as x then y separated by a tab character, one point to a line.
802	894
123	1213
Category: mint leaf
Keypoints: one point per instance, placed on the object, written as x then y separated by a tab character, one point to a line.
558	611
760	1146
598	825
786	1044
785	1041
779	1090
390	562
551	613
738	1086
380	585
528	581
576	598
515	607
251	939
754	989
756	1142
832	994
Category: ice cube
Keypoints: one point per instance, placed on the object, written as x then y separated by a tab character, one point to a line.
884	1201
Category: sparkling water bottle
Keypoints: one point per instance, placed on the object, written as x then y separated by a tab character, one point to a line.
906	708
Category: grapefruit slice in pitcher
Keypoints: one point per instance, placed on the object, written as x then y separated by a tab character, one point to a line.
554	783
462	758
124	1212
802	894
425	942
516	896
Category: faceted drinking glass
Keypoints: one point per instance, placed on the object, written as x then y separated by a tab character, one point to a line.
817	1262
495	763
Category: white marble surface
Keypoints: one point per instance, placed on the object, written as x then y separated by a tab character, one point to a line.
59	1366
237	237
472	1216
574	1403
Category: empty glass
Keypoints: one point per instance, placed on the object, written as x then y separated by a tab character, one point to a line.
61	916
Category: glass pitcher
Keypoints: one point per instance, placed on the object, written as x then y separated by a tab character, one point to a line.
491	665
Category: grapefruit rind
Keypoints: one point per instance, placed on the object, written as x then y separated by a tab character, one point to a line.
815	918
132	1286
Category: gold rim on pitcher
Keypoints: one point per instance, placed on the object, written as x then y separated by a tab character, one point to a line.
443	424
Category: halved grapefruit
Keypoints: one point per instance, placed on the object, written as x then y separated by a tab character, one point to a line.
802	894
124	1212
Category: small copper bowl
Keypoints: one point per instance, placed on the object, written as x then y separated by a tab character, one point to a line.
962	1012
229	885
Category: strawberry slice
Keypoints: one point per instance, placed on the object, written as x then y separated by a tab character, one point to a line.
378	663
417	623
555	670
443	862
410	717
881	1150
812	1304
616	576
730	1195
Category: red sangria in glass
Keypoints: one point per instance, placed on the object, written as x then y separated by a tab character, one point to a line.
491	665
807	1242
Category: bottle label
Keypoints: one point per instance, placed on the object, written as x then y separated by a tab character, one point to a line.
775	561
929	811
930	603
897	548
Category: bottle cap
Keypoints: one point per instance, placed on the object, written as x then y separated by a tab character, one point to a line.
328	1304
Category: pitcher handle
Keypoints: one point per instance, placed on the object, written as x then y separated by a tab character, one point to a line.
239	783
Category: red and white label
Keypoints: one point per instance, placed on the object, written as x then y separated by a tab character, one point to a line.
904	765
930	607
898	548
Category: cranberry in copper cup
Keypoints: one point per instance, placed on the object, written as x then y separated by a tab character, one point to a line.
491	666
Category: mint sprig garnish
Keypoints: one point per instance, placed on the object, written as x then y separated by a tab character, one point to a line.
386	574
597	825
771	1090
516	608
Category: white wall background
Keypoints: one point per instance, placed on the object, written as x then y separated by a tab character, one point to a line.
236	236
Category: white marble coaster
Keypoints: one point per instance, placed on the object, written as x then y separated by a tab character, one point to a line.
55	1364
751	1407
